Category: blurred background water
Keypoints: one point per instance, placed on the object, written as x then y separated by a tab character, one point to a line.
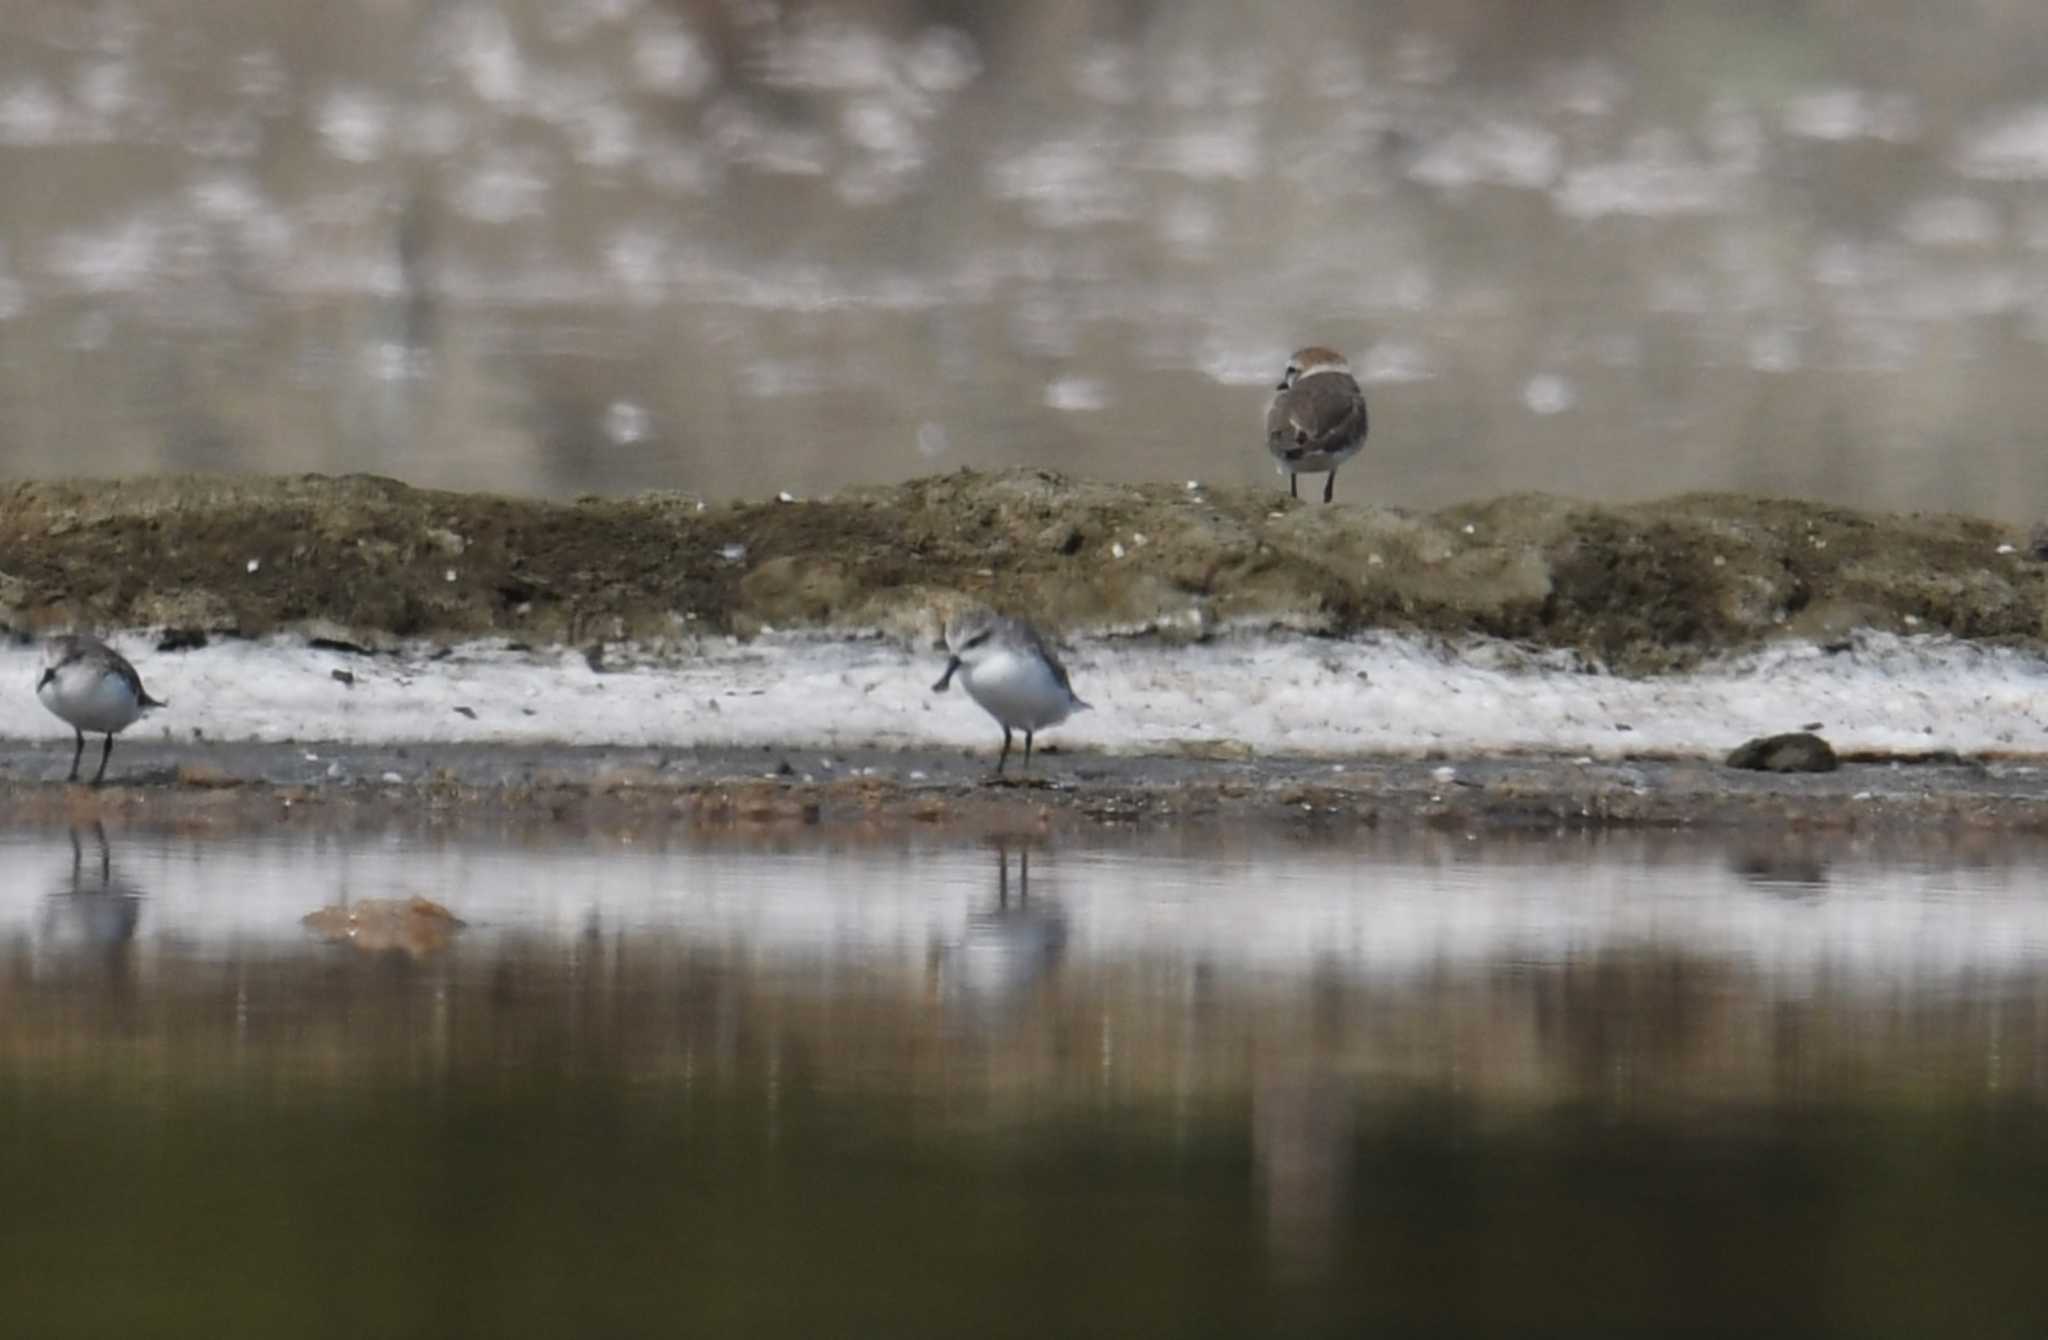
1207	1082
733	246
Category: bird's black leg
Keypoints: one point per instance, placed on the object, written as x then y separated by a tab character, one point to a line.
1003	757
1330	484
1027	751
1293	491
76	754
106	752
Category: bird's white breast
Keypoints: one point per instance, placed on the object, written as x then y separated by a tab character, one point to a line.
1018	690
91	697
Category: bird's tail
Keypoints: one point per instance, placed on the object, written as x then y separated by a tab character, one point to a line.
1080	706
149	702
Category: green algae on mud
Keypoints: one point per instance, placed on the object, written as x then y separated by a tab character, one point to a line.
1637	587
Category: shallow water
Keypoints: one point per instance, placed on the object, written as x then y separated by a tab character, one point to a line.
740	247
1208	1082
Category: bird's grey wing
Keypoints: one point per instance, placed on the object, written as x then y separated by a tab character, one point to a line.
1037	642
117	664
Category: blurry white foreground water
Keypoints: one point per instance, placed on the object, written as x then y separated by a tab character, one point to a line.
1858	921
1381	694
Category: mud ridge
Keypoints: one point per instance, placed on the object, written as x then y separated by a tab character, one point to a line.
1637	588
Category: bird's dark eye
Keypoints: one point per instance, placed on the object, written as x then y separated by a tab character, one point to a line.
974	641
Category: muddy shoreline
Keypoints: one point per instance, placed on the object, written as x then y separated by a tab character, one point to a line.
1638	588
233	787
367	564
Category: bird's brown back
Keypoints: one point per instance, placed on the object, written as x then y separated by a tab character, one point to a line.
1318	412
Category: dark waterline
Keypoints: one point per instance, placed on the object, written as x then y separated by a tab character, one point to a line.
1173	1085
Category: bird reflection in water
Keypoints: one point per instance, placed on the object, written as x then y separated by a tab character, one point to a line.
1006	951
1789	866
92	908
86	936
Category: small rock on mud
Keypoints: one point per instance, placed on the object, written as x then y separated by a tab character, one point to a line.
1795	751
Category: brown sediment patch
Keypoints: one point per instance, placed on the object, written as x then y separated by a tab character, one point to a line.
416	927
1640	587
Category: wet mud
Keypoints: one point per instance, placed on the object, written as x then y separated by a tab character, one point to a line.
551	791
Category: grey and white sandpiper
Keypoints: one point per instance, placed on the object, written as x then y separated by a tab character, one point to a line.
92	687
1011	672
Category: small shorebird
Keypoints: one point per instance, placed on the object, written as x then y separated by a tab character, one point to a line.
1317	419
92	687
1011	672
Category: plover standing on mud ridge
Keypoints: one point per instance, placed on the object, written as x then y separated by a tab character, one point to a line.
1008	669
1317	419
91	686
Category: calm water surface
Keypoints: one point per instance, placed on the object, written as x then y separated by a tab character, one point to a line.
742	246
1205	1084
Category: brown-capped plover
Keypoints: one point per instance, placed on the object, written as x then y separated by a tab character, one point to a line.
1008	669
92	687
1317	419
